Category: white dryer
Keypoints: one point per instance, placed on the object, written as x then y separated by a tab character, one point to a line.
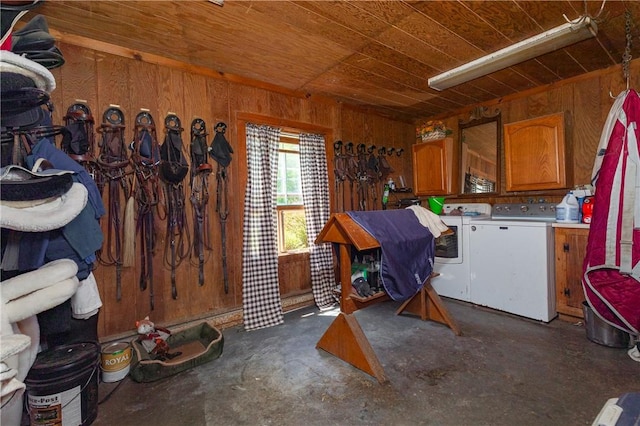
452	251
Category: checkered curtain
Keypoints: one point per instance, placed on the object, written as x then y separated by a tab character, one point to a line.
315	195
260	290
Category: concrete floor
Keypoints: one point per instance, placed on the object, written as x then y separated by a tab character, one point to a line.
503	370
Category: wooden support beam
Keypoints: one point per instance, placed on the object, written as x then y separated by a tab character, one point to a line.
345	339
428	305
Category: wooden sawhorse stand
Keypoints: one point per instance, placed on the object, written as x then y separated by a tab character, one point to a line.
344	338
427	305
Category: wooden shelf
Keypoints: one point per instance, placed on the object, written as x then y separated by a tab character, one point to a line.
355	296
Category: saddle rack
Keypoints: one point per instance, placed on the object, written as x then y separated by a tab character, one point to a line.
344	338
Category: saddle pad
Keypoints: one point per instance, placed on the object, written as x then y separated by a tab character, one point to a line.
407	249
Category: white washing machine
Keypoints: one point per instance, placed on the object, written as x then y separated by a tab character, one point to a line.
512	261
452	251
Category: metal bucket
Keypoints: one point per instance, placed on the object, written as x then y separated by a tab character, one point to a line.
115	361
598	331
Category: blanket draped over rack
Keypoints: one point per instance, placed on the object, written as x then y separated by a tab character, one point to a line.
407	249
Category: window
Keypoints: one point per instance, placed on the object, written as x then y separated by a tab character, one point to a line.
292	232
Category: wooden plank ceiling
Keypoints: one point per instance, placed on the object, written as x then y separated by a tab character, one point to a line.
376	54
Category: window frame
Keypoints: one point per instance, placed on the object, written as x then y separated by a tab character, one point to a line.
289	137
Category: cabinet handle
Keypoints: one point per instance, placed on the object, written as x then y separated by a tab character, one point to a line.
565	247
567	292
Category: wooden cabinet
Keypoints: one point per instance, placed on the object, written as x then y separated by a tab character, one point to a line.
432	167
535	154
570	250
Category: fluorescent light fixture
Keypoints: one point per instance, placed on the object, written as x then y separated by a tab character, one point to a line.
554	39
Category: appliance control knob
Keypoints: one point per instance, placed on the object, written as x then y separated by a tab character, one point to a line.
498	208
524	209
473	227
507	208
543	208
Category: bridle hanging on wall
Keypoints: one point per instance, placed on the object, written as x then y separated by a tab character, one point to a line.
221	151
145	158
78	140
362	177
173	170
351	169
114	162
340	175
200	171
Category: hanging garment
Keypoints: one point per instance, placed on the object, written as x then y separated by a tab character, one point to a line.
611	279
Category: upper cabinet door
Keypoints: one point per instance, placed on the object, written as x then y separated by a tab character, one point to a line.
535	154
432	167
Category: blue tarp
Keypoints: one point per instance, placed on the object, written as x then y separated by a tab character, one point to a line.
407	249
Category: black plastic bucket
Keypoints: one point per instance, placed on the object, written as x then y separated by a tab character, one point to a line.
62	385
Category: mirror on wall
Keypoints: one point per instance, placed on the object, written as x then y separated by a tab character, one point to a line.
480	138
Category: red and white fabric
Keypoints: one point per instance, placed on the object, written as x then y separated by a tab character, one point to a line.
611	278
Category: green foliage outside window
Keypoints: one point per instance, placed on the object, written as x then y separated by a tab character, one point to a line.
295	231
292	225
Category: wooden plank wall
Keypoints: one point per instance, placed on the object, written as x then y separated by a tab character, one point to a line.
373	130
101	79
586	102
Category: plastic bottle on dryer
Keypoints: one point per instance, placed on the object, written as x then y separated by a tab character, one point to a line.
385	196
568	210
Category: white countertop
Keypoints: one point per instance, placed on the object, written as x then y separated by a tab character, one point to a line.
570	225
